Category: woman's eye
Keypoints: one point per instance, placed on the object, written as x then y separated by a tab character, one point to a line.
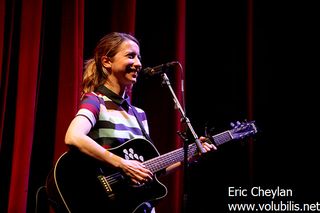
131	56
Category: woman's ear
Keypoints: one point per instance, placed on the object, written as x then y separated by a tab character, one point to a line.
106	62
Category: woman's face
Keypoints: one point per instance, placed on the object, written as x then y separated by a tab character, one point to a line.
126	64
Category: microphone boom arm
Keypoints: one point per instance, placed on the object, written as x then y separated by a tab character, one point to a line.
184	118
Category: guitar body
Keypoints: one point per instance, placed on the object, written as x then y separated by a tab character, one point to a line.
79	183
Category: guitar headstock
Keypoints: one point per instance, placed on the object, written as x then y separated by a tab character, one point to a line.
241	130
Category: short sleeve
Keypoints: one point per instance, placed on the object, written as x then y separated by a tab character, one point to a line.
90	107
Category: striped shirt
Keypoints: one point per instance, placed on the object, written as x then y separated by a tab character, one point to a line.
112	120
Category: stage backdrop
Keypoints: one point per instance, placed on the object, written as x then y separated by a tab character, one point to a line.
44	44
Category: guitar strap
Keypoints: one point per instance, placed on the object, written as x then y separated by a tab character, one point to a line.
139	121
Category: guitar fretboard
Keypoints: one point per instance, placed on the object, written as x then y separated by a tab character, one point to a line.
163	161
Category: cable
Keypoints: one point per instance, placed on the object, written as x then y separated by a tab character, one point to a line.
37	197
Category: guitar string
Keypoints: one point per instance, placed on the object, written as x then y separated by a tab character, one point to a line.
154	165
160	162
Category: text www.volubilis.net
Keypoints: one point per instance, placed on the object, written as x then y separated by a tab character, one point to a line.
272	206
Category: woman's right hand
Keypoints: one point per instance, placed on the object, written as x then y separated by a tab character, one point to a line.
136	171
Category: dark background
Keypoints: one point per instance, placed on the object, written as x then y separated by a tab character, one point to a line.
285	107
285	56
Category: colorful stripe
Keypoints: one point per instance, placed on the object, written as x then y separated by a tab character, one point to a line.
112	125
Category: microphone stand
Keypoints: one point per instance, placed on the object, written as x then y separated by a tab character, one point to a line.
166	81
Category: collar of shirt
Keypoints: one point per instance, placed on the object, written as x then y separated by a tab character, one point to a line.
124	102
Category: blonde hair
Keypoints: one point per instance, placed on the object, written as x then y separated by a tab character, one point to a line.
95	74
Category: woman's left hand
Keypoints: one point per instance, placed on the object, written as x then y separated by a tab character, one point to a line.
207	146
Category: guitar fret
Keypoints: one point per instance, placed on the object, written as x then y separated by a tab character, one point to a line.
158	163
163	161
222	138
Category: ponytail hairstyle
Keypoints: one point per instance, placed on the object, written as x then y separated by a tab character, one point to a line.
95	74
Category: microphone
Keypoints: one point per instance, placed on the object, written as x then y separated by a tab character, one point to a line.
162	68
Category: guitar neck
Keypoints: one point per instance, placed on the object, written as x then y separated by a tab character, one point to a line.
163	161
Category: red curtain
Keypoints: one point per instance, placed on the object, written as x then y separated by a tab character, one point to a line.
26	96
70	68
27	82
180	39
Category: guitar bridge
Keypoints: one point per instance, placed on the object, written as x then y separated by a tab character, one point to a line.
107	188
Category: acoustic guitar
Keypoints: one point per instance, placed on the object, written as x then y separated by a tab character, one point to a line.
79	183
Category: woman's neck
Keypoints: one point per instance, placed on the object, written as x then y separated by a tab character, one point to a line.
116	88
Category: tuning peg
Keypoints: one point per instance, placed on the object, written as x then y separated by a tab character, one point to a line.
237	123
